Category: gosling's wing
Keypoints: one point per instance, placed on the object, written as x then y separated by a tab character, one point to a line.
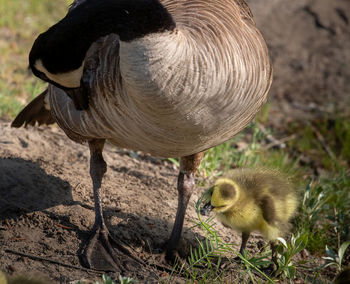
268	209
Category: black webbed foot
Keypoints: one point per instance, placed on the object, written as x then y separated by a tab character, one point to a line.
102	252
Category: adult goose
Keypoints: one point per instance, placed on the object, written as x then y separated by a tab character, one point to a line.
168	77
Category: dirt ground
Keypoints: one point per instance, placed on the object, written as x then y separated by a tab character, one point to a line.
46	204
309	43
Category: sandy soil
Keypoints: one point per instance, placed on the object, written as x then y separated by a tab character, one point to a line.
46	205
309	43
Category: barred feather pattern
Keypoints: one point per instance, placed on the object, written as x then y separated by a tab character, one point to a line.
176	93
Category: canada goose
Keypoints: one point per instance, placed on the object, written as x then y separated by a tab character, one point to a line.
253	200
168	77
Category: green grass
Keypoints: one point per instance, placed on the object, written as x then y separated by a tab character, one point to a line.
325	141
20	23
321	227
323	222
325	214
204	265
108	280
245	150
31	15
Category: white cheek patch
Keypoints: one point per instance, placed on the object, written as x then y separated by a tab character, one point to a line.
69	79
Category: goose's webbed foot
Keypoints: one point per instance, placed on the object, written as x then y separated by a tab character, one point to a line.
102	252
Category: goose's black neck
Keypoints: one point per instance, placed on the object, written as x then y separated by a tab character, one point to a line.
63	47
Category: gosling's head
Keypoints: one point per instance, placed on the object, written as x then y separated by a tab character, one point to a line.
222	196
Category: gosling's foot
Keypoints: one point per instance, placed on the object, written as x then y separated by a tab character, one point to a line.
272	270
102	252
237	259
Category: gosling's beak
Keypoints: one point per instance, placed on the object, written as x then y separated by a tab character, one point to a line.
206	209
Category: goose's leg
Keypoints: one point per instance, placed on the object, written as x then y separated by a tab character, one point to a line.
185	186
101	251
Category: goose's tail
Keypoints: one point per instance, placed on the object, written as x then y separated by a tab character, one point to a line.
36	111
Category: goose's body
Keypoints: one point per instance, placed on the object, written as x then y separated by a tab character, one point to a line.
171	78
175	93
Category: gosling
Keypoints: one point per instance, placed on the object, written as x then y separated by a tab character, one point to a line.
250	200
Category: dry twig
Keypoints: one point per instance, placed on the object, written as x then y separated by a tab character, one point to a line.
8	224
64	227
274	141
321	139
39	258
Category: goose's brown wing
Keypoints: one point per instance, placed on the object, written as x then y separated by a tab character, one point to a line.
34	112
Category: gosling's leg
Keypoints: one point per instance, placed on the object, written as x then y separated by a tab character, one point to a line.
273	246
245	237
101	251
272	269
185	185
